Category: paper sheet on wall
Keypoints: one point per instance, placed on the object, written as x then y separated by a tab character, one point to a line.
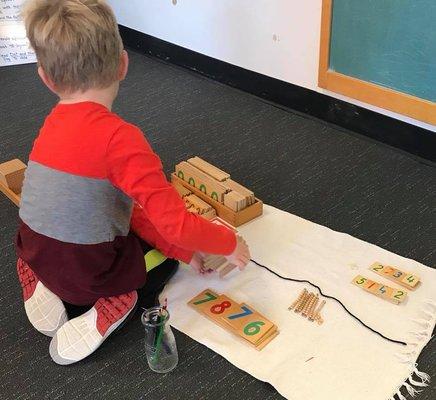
10	10
14	46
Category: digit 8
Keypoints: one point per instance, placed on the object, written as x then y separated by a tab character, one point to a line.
219	308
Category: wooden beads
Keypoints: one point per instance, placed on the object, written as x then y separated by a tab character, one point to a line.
313	305
317	317
306	304
302	303
300	297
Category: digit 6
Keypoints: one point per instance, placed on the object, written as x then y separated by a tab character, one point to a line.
253	328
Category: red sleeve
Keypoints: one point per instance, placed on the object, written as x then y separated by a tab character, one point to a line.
146	231
134	168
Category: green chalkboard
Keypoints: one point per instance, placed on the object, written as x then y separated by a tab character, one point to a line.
388	42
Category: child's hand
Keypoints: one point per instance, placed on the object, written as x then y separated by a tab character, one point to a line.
197	263
241	255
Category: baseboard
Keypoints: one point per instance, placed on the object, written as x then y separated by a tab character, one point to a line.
410	138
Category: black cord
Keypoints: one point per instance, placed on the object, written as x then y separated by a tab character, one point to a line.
333	298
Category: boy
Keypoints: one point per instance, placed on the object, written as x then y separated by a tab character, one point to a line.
91	180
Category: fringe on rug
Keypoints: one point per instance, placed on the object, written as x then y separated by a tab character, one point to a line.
416	378
409	384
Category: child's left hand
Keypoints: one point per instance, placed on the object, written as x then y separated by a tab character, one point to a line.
197	263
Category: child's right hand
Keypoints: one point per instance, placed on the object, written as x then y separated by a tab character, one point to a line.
241	255
197	264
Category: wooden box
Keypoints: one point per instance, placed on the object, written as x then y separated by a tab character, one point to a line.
11	179
234	218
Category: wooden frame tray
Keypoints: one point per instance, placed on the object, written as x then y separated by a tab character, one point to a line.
235	218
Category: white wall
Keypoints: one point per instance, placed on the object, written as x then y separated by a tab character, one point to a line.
278	38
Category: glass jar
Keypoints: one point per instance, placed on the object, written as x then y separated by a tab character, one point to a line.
160	344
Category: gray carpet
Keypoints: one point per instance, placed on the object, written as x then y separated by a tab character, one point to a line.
298	164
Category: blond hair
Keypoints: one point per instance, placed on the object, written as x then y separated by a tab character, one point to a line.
76	42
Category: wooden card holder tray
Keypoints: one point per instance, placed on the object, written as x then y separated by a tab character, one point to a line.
234	218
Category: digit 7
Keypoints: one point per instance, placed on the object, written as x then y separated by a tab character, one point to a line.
209	297
246	312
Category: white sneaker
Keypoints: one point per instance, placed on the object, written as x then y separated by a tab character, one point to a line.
81	336
45	310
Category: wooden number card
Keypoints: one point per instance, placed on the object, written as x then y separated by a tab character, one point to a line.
405	279
222	267
240	319
214	306
219	221
219	308
248	323
385	292
205	296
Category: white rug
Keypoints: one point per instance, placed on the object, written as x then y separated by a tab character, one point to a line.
346	360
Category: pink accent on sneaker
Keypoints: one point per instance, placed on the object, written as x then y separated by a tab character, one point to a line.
45	310
112	309
27	278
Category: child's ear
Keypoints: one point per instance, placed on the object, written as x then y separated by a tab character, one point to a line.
124	66
47	81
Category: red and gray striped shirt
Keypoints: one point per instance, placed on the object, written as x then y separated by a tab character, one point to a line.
91	180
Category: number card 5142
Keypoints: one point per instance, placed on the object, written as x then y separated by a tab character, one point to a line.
385	292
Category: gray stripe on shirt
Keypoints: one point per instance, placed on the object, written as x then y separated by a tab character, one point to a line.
71	208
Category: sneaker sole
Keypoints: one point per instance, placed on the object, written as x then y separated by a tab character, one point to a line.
58	359
45	311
